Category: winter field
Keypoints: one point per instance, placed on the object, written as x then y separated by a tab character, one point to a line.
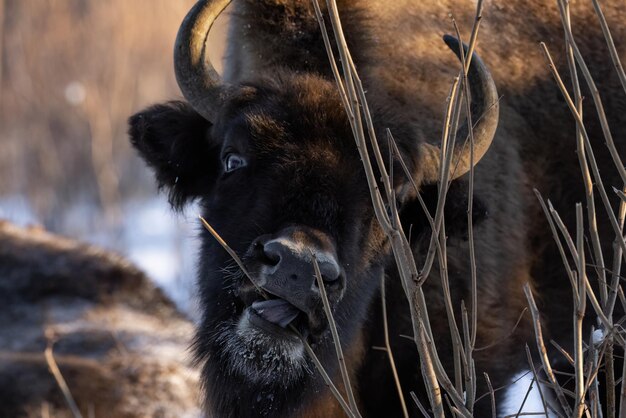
71	72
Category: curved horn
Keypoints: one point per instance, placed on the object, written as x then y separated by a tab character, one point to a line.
485	111
200	83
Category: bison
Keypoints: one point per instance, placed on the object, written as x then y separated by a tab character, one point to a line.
119	342
268	152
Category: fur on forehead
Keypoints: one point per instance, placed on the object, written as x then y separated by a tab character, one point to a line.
289	102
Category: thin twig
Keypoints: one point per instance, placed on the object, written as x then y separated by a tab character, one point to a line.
327	380
609	369
578	315
593	386
444	175
610	44
584	165
536	377
331	59
521	407
492	395
470	374
419	405
392	363
557	240
401	248
622	397
470	366
54	369
592	161
565	354
433	371
337	342
228	249
541	348
45	406
578	255
595	94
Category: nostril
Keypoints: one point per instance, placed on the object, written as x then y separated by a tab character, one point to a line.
330	271
271	254
331	279
271	259
294	277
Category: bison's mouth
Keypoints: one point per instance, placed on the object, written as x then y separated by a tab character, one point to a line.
276	311
278	317
264	345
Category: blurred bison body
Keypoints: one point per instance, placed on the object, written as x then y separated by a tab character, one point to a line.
120	343
269	153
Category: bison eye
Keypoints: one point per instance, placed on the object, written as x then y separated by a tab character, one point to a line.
233	162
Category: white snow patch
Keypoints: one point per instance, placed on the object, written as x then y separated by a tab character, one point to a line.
598	336
165	246
159	263
517	391
18	210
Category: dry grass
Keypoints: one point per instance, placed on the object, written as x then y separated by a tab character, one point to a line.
72	73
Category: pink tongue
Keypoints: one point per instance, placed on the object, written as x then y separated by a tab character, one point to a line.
276	311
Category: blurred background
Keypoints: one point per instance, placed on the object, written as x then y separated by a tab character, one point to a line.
71	73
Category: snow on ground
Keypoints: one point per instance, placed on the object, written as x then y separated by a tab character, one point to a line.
517	391
164	245
17	210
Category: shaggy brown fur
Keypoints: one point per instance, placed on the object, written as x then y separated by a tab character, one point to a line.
120	343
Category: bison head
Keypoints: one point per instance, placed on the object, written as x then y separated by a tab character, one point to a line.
274	166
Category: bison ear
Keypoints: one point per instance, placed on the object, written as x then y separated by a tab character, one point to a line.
174	141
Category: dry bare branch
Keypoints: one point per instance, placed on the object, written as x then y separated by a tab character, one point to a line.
610	44
543	353
229	250
592	161
595	94
536	377
337	342
419	405
54	369
579	313
392	363
584	165
492	395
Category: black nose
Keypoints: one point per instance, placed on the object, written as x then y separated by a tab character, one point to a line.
286	269
294	261
282	265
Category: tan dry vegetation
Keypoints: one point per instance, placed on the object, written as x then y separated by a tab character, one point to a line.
72	72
